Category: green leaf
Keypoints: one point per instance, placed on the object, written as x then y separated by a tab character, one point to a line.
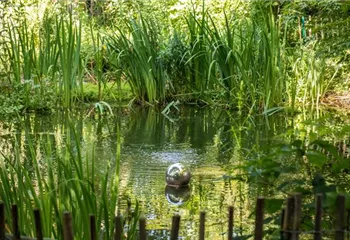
316	158
330	199
327	146
297	143
273	205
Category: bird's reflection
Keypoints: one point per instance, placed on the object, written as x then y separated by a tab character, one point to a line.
177	195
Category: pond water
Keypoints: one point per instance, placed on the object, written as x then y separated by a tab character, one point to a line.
208	141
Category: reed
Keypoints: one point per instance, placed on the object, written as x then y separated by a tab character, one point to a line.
47	53
308	82
199	55
60	179
138	50
97	61
239	62
68	37
270	64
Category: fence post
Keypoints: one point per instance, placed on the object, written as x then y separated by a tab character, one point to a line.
318	217
202	226
340	217
288	219
38	227
230	223
15	227
297	216
175	226
142	225
2	220
118	228
67	226
93	235
259	219
282	222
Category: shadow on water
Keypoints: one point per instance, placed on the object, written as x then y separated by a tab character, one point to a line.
209	141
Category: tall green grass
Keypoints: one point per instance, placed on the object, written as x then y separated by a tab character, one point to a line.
199	54
308	83
270	65
242	62
68	37
243	59
57	179
49	58
138	50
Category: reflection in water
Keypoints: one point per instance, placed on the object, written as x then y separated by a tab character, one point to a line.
177	195
209	142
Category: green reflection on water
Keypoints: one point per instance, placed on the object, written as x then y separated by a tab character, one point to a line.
209	141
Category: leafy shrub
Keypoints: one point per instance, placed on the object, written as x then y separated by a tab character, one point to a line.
26	97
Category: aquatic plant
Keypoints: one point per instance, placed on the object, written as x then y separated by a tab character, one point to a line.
68	36
56	179
138	50
199	57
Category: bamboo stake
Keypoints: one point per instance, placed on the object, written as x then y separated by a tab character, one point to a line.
38	227
318	217
309	23
202	226
175	227
93	235
67	226
142	225
15	227
288	219
340	217
282	222
2	220
230	223
259	219
296	216
118	228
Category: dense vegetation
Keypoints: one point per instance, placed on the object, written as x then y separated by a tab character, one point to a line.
246	56
241	55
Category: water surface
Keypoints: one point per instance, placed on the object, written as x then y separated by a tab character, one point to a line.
210	142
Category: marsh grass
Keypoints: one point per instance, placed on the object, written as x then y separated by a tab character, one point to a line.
69	36
97	63
239	62
51	58
138	50
309	84
57	179
271	66
199	55
244	58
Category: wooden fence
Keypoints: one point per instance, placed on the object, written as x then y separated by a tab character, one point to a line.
290	224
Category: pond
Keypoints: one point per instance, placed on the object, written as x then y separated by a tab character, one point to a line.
210	142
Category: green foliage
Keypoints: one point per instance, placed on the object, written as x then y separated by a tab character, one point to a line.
245	57
69	41
111	92
174	58
139	60
27	97
62	178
